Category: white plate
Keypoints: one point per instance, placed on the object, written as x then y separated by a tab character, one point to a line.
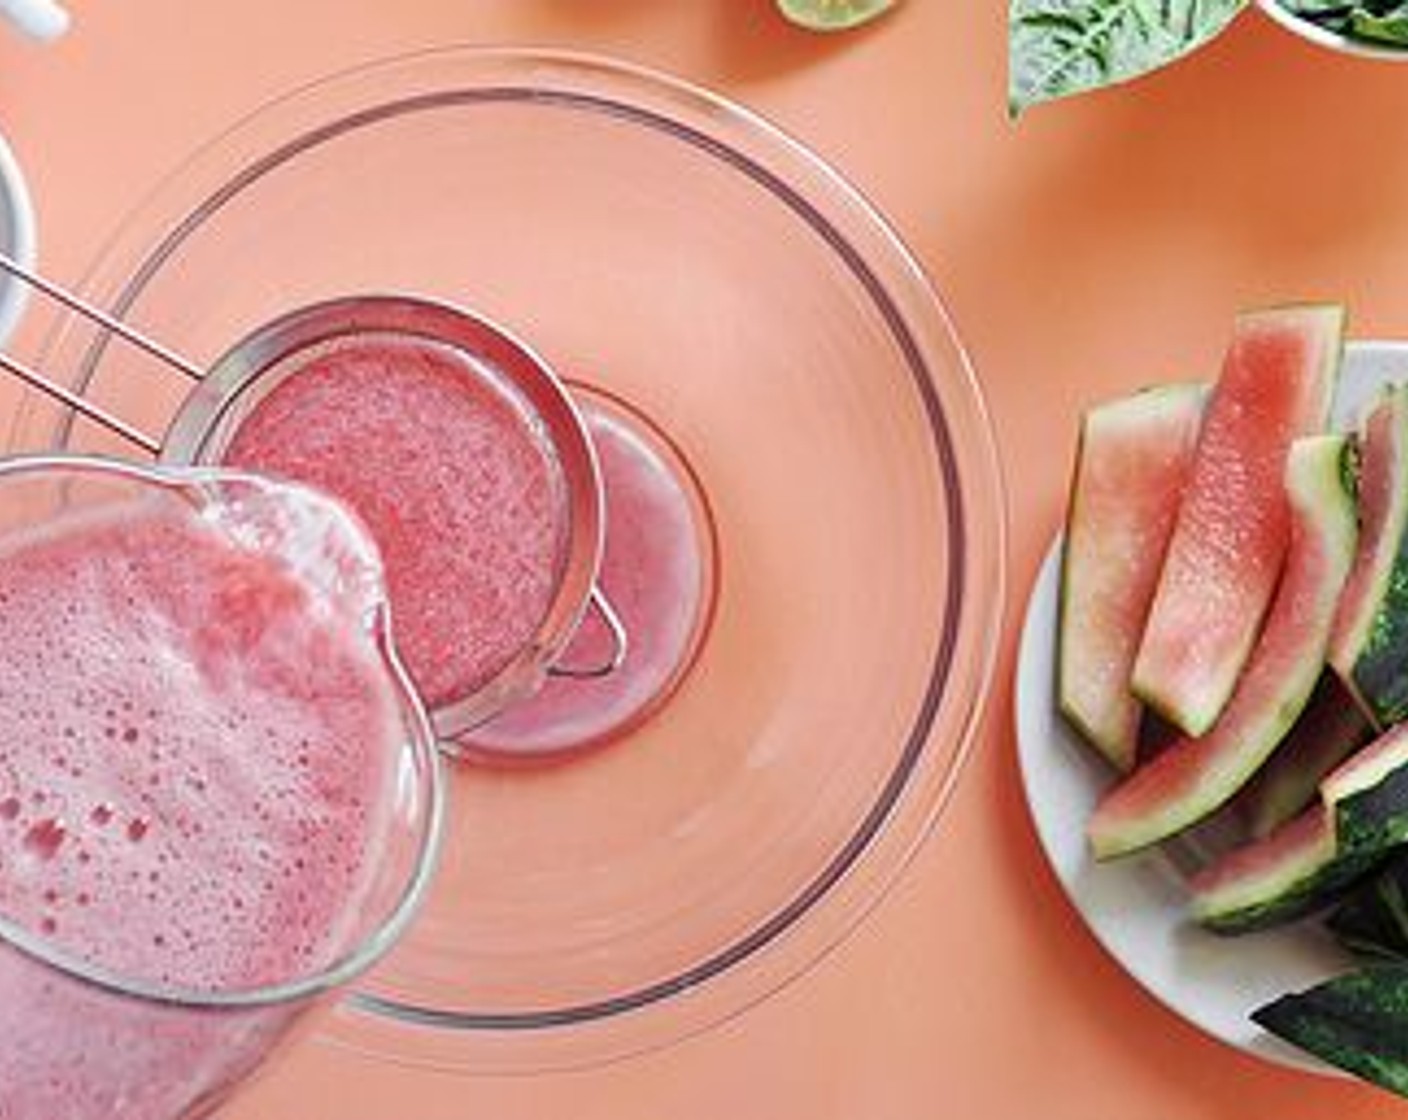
1135	907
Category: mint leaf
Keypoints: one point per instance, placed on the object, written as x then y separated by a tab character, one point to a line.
1061	47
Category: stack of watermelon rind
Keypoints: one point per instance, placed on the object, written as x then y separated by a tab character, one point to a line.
1237	574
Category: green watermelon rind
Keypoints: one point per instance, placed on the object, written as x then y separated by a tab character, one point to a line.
1363	818
1156	676
1371	644
1373	920
1123	823
1357	1021
1177	404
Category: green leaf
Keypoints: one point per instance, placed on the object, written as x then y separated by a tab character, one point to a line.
1061	47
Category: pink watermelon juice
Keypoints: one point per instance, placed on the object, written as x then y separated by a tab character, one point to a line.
657	569
194	788
460	490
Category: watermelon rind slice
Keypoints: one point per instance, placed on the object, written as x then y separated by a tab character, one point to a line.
1132	462
1229	543
1369	644
1357	1021
1372	921
1361	818
1192	777
1329	730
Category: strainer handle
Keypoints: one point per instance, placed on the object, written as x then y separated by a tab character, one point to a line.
95	412
599	602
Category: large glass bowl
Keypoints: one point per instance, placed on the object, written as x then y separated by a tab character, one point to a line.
667	249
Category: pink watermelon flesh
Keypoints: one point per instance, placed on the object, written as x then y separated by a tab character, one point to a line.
1194	776
1131	466
1232	531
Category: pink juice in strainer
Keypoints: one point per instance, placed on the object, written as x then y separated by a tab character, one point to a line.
462	495
194	781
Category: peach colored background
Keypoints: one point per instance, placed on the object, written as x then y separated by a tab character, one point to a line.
1098	245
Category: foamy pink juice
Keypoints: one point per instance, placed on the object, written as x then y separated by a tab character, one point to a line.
192	792
76	1052
462	496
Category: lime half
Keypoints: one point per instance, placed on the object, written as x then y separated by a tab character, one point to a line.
833	15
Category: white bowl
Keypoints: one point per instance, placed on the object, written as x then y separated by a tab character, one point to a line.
17	237
1314	33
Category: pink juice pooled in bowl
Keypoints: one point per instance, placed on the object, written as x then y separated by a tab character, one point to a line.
459	487
200	792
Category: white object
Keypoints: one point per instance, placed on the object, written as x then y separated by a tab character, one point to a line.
17	237
1331	40
39	19
1135	907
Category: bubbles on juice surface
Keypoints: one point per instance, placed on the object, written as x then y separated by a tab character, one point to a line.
45	837
196	734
